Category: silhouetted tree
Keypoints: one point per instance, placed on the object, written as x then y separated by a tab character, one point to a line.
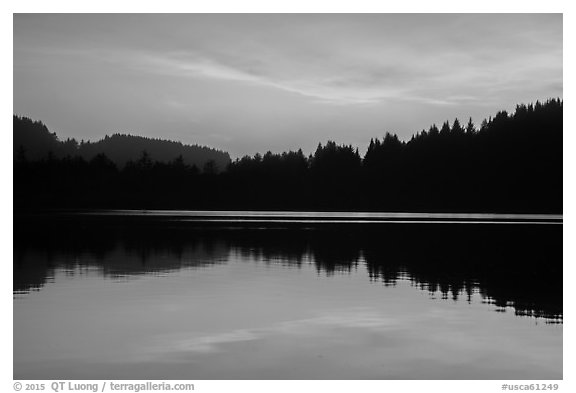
513	162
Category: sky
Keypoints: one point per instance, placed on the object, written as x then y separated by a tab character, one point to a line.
247	83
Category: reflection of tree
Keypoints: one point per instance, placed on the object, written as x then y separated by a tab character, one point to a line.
517	265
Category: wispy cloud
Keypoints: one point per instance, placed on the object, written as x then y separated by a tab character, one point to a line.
446	78
193	66
354	87
438	82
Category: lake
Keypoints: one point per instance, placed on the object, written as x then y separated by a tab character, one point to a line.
287	295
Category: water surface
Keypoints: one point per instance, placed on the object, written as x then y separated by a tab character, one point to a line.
161	295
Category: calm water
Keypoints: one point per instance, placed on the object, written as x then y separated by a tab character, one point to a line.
236	295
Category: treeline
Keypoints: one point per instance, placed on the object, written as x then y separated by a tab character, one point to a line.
33	142
509	163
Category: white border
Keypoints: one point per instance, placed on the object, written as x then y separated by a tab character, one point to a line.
346	6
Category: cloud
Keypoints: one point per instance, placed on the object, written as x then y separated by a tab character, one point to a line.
195	66
444	79
357	87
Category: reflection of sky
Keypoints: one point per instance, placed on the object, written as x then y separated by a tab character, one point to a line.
255	320
247	83
282	217
353	319
226	214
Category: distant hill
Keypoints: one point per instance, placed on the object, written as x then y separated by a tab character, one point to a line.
33	141
122	148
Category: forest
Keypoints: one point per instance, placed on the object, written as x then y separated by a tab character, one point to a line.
511	162
35	142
